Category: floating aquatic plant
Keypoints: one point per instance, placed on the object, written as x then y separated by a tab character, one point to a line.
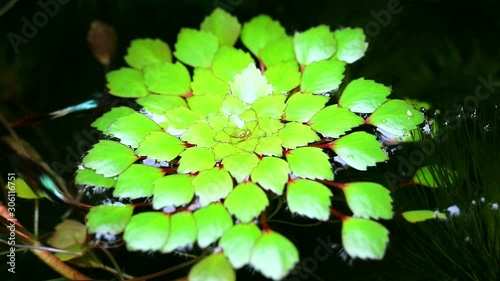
222	130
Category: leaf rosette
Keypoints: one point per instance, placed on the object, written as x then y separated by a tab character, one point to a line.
208	149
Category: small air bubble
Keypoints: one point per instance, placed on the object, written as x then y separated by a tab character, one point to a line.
384	121
487	127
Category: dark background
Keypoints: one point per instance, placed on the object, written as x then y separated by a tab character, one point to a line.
429	50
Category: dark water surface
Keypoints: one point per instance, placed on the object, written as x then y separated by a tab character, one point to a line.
442	52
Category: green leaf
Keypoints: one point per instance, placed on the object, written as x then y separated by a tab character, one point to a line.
195	159
109	158
208	104
103	122
212	185
270	145
223	25
167	79
158	104
160	146
421	215
232	105
246	201
143	52
178	119
273	255
108	219
278	51
147	231
250	84
364	96
283	77
215	267
270	126
133	128
126	83
364	239
69	234
24	191
272	106
137	181
309	198
359	150
200	134
229	61
89	177
302	107
205	82
272	174
433	177
172	190
196	48
211	221
322	76
238	242
260	31
240	165
182	232
223	150
314	44
396	117
296	134
351	44
368	200
300	161
333	121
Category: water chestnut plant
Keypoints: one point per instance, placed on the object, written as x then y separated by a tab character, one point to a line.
221	131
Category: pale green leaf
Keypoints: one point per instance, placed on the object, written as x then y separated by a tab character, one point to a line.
272	174
69	235
103	122
108	219
200	134
109	158
232	105
126	83
212	222
196	48
368	200
270	146
223	25
272	106
133	128
24	191
147	231
237	243
322	76
250	84
333	121
246	201
158	104
421	215
314	44
308	198
87	177
359	150
296	134
195	159
271	126
240	165
364	96
143	52
302	107
432	176
364	239
283	77
396	117
215	267
223	150
273	255
229	61
172	190
167	79
278	51
205	82
208	104
178	119
310	162
160	146
260	31
182	232
136	181
212	185
351	44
